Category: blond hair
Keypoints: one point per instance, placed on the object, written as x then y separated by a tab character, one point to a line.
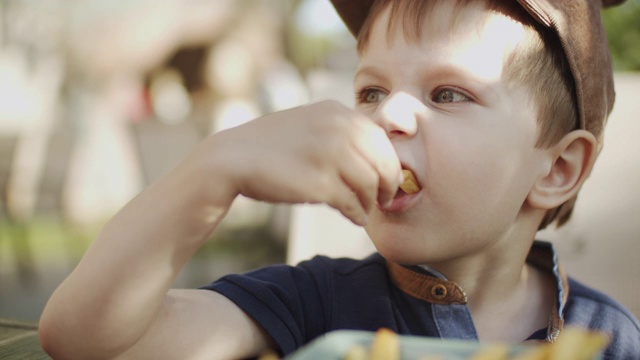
537	63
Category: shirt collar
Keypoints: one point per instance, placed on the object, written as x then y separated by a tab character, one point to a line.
432	287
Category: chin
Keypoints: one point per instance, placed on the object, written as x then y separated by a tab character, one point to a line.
399	249
408	248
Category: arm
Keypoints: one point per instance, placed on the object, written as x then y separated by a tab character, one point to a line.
117	302
223	330
118	289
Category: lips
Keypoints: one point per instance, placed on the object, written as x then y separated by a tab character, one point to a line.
407	194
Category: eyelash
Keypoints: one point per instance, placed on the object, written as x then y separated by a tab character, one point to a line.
453	90
362	95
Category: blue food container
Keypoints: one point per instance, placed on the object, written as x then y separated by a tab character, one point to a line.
334	346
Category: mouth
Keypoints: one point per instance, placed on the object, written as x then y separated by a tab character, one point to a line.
406	195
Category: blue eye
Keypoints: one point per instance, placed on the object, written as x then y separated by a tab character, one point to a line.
449	96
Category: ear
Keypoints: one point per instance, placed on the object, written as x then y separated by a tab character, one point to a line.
572	159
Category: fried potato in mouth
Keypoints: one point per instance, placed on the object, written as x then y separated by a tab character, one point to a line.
410	184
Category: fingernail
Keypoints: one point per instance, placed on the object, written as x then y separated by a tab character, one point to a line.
364	220
387	203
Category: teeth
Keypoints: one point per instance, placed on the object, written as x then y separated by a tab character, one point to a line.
410	184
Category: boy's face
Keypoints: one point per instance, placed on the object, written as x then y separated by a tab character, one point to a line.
468	138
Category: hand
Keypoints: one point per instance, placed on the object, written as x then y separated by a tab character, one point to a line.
320	153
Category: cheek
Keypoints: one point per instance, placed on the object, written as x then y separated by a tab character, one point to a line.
478	171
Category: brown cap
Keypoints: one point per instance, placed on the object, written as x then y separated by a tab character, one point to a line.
579	28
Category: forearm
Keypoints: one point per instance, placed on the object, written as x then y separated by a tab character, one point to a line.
115	295
117	289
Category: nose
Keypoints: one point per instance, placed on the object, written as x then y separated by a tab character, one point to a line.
398	114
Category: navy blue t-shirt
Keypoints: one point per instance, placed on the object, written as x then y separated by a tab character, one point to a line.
296	304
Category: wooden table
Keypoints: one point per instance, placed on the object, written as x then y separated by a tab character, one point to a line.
19	341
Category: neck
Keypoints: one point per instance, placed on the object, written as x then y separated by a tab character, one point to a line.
502	289
497	273
498	270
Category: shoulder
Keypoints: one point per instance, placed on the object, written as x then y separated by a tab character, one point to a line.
593	309
345	266
295	304
588	301
341	274
316	270
337	274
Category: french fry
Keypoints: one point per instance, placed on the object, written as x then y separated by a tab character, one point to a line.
410	184
538	352
492	352
596	343
577	344
572	344
385	346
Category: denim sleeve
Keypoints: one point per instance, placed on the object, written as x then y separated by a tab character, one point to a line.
596	311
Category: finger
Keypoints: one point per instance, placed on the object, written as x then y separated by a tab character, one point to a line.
361	178
377	149
346	201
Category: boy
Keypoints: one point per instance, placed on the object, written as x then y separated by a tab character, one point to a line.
500	127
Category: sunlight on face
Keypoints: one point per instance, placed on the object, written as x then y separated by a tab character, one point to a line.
402	106
485	54
475	41
457	124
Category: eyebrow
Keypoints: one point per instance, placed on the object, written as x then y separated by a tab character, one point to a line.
371	71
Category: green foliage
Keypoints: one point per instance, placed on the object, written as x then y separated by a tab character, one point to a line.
623	32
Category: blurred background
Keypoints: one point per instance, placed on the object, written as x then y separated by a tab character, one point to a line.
98	99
